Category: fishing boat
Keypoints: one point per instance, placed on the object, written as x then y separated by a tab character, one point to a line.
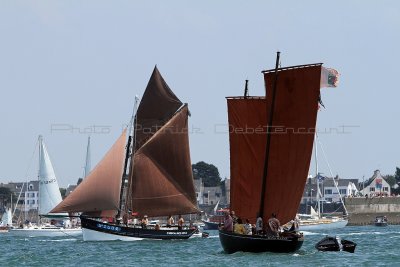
330	243
216	219
271	140
380	221
49	197
147	173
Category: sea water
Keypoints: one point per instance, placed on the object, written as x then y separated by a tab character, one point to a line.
376	246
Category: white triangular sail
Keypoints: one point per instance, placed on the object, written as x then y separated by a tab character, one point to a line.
313	213
49	192
6	219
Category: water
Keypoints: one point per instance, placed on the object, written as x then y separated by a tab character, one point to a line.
376	246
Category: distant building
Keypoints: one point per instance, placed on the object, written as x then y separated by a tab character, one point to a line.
227	183
69	189
199	188
28	196
377	186
212	195
328	190
347	187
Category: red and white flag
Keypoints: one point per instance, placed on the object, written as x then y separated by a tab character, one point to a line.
329	77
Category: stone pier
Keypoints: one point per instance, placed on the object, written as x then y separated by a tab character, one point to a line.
362	210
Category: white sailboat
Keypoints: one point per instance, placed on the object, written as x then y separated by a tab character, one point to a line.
49	197
6	221
315	221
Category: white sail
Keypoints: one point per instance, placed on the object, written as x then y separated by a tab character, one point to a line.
49	192
6	219
313	213
88	160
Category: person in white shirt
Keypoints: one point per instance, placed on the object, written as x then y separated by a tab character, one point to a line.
259	225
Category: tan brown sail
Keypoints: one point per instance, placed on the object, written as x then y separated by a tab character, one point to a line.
98	193
292	134
247	137
157	106
293	129
161	180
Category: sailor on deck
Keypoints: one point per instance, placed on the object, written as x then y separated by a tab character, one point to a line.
259	225
170	221
144	222
273	225
228	223
181	221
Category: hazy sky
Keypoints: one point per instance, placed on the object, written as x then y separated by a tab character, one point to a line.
77	65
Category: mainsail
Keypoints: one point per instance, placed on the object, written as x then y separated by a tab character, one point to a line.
99	191
157	106
49	192
292	133
247	149
162	181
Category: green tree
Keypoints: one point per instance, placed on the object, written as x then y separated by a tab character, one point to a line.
397	175
6	195
390	179
397	181
208	172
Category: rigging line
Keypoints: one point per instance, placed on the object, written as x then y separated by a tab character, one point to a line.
26	177
330	171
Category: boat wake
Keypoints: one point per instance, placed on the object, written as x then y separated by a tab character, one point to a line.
311	233
58	240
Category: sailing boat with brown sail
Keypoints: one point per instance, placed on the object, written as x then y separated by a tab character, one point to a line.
159	181
271	140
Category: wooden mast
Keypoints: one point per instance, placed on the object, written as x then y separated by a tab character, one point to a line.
132	132
268	145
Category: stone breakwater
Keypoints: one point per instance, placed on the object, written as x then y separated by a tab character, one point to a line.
362	211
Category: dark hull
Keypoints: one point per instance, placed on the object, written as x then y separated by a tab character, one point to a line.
135	232
232	243
381	223
332	244
210	225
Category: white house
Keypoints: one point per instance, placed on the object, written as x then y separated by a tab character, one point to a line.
377	187
328	190
29	199
199	188
347	187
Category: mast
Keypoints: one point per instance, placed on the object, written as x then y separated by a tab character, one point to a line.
39	172
88	159
246	89
317	176
131	134
271	116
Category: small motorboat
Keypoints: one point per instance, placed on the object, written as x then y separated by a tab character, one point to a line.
381	221
330	243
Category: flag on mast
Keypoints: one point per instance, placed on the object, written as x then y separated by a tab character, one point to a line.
329	77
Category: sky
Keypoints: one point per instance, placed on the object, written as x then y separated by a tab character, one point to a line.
72	68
